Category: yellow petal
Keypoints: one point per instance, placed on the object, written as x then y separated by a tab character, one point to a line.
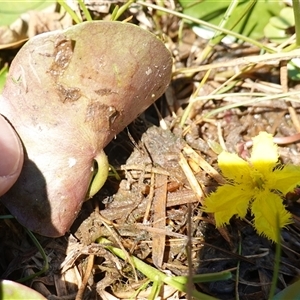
233	167
226	202
286	179
265	207
264	154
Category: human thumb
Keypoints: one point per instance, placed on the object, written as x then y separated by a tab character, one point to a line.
11	156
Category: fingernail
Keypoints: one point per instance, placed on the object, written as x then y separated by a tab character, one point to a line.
11	151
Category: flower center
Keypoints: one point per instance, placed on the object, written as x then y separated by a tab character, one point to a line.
258	179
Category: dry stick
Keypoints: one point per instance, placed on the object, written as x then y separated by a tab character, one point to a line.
149	200
189	245
220	136
203	164
148	169
112	230
195	185
166	232
181	197
284	84
87	273
159	219
266	59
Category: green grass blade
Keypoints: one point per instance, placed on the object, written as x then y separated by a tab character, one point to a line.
118	11
44	256
85	10
277	261
68	9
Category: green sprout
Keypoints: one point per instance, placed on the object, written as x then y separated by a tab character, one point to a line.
258	183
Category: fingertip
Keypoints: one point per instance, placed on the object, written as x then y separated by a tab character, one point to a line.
11	156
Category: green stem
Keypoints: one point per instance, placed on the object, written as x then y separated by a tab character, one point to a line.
296	7
277	261
178	282
42	252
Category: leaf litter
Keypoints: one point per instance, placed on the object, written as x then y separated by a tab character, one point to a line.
166	169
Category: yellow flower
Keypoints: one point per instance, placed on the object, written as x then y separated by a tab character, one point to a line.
258	184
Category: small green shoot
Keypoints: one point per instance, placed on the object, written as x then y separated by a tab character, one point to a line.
101	168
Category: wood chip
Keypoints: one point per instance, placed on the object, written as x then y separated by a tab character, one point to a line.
159	219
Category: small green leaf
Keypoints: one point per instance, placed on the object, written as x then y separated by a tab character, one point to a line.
11	290
251	25
285	19
291	292
294	69
277	28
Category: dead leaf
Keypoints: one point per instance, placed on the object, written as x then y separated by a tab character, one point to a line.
68	94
